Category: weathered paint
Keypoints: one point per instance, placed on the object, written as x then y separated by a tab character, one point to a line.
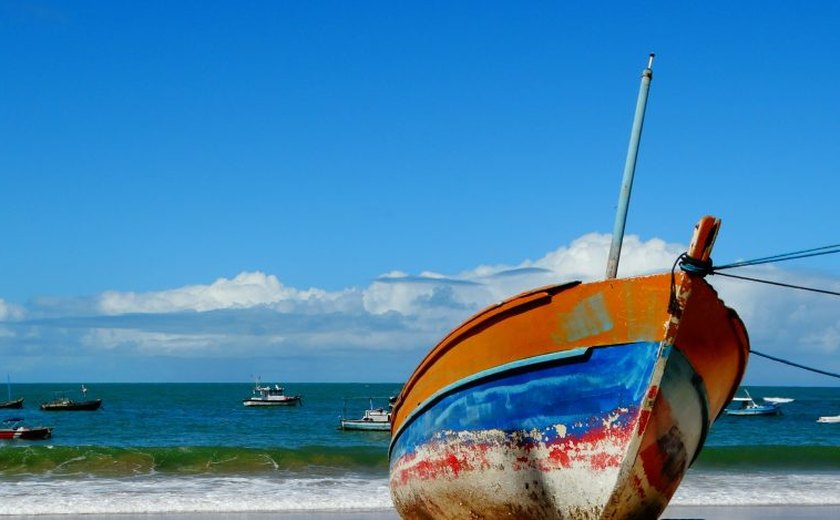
467	447
522	426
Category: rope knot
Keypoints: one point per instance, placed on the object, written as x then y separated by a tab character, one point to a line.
694	266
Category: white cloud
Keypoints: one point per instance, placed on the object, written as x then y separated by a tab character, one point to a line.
248	289
784	321
585	259
253	315
10	312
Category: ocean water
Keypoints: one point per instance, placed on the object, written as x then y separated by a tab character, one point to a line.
163	448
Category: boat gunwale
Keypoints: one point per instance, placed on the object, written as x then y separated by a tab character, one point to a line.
473	325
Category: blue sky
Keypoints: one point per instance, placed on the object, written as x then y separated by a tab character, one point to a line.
319	191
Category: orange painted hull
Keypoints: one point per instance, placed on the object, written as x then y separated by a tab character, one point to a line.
687	353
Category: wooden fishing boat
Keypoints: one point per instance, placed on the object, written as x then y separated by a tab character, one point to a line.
65	404
579	400
582	400
62	403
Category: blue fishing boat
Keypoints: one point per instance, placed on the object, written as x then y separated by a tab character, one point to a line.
747	407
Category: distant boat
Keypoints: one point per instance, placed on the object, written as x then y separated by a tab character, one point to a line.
374	418
62	403
832	419
271	396
14	403
13	428
746	406
11	403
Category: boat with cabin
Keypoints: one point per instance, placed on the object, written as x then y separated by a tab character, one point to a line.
575	400
829	419
63	403
13	428
747	407
271	395
374	418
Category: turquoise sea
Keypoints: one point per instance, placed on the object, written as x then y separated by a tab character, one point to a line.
162	448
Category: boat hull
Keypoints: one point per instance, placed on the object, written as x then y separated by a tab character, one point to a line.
13	404
574	401
25	433
291	401
72	406
370	426
754	412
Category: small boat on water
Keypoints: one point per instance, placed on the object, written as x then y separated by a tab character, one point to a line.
747	407
829	419
576	400
374	418
271	396
62	403
12	403
13	428
65	404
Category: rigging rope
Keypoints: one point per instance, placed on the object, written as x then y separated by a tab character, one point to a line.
817	251
705	268
791	363
691	265
780	284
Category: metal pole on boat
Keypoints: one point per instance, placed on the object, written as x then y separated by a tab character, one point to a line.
629	170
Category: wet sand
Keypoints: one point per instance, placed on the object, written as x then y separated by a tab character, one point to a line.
774	512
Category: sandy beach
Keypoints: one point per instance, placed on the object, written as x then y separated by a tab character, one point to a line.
774	512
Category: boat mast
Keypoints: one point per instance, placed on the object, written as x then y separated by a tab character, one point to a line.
629	170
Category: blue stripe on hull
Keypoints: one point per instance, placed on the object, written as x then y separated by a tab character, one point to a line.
577	392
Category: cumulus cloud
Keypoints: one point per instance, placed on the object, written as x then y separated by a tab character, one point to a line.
10	312
254	315
784	321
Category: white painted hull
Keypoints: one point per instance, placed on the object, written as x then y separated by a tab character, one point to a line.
272	402
359	424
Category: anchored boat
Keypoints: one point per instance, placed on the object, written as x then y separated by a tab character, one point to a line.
375	418
579	400
11	403
271	396
747	407
62	403
14	429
